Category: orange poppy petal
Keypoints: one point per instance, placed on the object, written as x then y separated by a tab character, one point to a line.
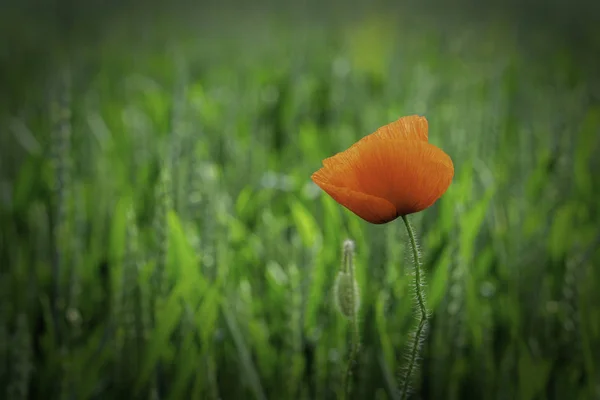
409	174
412	127
370	208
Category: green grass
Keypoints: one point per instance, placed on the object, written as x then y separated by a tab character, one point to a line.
161	237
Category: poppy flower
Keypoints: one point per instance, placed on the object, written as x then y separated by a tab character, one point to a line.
392	172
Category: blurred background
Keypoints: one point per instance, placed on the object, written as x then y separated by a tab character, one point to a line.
160	236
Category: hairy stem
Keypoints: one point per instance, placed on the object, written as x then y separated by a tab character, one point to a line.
412	364
348	267
355	343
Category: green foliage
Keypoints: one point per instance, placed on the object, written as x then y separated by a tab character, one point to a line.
160	236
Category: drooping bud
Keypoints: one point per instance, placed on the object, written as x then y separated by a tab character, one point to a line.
347	298
346	295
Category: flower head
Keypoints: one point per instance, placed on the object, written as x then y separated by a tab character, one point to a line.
392	172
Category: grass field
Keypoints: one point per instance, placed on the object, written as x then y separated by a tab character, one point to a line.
161	237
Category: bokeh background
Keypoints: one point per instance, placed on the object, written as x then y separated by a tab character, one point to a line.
161	239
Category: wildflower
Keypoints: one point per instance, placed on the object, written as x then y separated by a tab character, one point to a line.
390	173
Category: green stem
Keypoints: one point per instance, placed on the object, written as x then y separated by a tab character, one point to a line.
355	342
417	261
352	358
422	308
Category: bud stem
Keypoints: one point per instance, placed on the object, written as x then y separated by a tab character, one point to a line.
348	267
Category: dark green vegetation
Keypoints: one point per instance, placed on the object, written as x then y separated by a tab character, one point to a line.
160	236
